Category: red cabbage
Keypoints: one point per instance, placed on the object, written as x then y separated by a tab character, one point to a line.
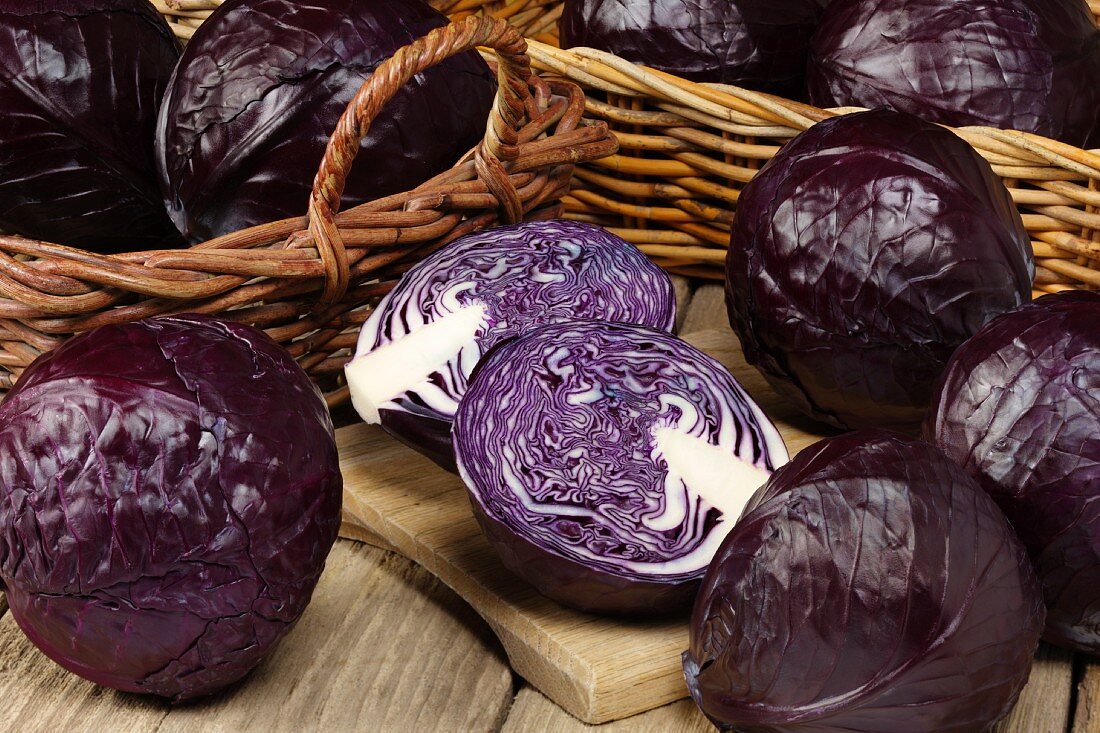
258	92
1019	410
80	82
1020	64
605	462
169	490
862	255
417	350
753	44
870	586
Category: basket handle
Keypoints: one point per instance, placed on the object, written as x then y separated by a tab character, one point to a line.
501	134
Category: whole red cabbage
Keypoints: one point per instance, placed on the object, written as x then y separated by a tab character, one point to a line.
80	83
1019	410
169	490
750	43
418	348
862	255
258	92
1018	64
870	586
605	462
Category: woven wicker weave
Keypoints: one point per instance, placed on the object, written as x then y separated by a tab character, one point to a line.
310	281
688	149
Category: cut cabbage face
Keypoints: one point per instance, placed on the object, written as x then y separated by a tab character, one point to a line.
417	350
607	462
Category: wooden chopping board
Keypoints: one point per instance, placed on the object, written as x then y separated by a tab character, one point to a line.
599	669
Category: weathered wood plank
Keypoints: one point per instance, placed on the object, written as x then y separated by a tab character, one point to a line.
1044	705
707	310
683	288
533	711
1086	718
383	647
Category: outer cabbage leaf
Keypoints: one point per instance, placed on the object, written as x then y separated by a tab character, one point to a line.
758	45
419	346
870	586
862	255
169	490
605	462
80	82
260	88
1016	64
1018	409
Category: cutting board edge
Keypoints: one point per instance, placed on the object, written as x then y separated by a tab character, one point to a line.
567	690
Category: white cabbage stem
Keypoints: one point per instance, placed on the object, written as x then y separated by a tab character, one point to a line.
389	371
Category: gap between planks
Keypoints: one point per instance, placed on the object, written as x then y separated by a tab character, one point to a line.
1086	717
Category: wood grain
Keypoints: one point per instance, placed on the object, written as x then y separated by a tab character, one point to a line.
707	310
1044	705
3	604
589	665
533	711
599	669
383	647
1087	714
683	289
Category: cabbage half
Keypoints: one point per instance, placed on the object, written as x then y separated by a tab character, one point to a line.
606	462
418	348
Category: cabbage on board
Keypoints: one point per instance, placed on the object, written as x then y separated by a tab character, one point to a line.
261	86
862	255
169	490
1025	65
1019	409
80	82
870	586
754	44
605	462
418	347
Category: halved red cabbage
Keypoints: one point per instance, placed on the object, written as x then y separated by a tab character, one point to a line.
169	491
1016	64
870	586
862	255
1019	409
417	349
605	462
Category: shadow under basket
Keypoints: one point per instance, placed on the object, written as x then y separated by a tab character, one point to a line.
311	281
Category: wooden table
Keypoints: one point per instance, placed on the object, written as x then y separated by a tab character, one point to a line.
386	647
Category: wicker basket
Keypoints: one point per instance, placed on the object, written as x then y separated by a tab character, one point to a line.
310	281
688	149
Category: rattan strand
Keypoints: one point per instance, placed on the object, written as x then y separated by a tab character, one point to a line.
687	149
311	281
